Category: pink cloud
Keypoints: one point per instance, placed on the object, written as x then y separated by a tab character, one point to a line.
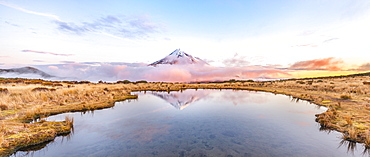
53	67
364	67
330	63
51	53
168	73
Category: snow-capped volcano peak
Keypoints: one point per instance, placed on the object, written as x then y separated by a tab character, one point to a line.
179	57
178	53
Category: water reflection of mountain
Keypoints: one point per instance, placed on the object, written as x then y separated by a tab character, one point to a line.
181	100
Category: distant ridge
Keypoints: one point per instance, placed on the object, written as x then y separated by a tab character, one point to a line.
25	70
179	57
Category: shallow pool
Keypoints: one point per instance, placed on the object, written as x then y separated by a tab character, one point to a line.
199	123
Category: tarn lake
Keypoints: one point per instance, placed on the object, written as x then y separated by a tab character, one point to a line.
199	123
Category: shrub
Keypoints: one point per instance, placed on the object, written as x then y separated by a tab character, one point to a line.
57	84
366	83
4	90
47	84
70	82
82	82
43	89
345	97
142	81
3	107
124	81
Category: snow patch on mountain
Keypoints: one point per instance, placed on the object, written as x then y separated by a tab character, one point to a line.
179	57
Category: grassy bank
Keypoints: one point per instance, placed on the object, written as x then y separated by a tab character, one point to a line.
23	102
347	99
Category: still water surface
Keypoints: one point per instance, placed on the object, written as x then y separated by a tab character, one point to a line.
199	123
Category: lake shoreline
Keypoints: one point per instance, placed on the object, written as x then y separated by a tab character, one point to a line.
346	115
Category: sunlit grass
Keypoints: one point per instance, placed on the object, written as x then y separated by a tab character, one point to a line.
347	99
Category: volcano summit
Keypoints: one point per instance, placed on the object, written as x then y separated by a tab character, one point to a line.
179	57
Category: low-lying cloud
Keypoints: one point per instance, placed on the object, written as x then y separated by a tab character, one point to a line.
364	67
50	53
330	64
116	71
112	72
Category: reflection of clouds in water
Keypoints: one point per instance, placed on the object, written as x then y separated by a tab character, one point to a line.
182	99
130	127
311	112
134	129
147	112
304	124
242	97
145	131
261	117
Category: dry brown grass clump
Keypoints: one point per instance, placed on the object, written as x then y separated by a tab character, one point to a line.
43	89
19	136
4	90
345	97
367	140
26	102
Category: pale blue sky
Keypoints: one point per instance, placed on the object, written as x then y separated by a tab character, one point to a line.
262	32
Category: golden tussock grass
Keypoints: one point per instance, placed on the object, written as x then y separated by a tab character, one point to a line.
21	103
347	99
367	140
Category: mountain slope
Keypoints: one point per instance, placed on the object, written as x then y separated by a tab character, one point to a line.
24	71
179	57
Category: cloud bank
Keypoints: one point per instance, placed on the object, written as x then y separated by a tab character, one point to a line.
236	67
364	67
330	64
111	72
115	71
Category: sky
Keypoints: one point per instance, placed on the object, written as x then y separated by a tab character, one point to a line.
245	39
